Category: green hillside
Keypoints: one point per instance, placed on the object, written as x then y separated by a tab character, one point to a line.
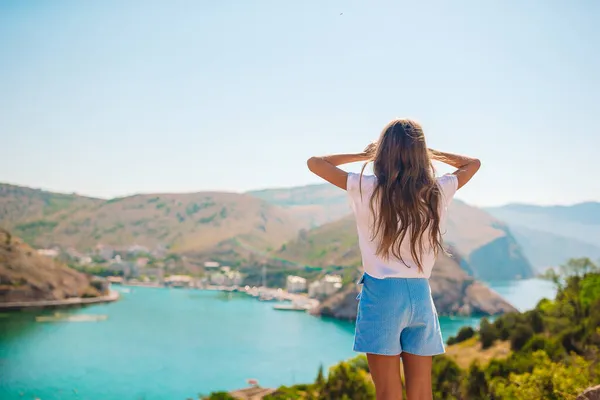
484	242
196	222
336	244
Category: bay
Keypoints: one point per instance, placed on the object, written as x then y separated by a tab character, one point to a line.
159	343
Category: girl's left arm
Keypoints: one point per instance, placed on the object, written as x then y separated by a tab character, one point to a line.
327	166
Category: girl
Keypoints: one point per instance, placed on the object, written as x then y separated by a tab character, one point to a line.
400	213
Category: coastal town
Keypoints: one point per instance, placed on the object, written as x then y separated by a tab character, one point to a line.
140	266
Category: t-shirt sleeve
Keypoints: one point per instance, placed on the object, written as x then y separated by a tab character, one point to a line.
449	185
354	184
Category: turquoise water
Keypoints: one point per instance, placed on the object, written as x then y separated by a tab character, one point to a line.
175	344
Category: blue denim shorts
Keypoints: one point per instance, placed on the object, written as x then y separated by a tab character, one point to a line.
397	315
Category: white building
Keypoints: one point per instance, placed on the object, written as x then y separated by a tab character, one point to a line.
217	278
326	286
211	264
85	260
48	252
227	278
234	278
295	284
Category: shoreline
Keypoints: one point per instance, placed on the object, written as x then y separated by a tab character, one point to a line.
73	301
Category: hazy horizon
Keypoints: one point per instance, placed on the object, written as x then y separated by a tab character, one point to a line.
114	98
458	197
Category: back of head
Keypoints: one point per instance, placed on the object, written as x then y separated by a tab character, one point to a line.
405	202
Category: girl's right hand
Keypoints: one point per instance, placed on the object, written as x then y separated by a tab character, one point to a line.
371	149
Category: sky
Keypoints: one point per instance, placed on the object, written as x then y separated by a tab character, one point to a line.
111	98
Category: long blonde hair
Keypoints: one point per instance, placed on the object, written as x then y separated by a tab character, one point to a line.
406	198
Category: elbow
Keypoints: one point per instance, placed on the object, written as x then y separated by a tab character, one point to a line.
477	163
310	163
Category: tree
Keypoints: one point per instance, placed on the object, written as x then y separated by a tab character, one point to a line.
578	267
476	386
487	333
466	332
548	380
520	336
346	381
534	317
320	381
446	378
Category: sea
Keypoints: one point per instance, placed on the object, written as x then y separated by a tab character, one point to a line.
162	343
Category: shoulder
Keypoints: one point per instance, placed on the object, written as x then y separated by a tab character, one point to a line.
356	182
448	184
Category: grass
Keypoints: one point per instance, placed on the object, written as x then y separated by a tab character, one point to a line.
464	353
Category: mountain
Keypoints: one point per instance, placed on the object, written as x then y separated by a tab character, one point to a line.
485	243
549	250
195	222
231	224
18	204
27	276
336	244
314	205
552	234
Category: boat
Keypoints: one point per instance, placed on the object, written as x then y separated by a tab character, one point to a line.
289	307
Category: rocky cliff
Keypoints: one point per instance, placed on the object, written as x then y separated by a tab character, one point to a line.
486	244
27	276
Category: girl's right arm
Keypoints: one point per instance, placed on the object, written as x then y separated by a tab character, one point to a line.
467	167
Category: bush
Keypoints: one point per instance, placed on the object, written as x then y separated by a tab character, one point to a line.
520	336
547	380
498	368
466	332
487	333
506	324
476	386
535	320
346	381
541	342
219	396
446	378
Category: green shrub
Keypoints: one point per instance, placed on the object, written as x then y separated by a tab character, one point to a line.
346	382
540	342
497	368
446	378
466	332
476	385
219	396
520	336
487	333
535	320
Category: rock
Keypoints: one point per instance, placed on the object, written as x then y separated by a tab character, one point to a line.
453	292
342	305
27	276
592	393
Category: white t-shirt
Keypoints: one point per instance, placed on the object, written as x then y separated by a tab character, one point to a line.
393	268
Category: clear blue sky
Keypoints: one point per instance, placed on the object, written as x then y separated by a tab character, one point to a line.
109	98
